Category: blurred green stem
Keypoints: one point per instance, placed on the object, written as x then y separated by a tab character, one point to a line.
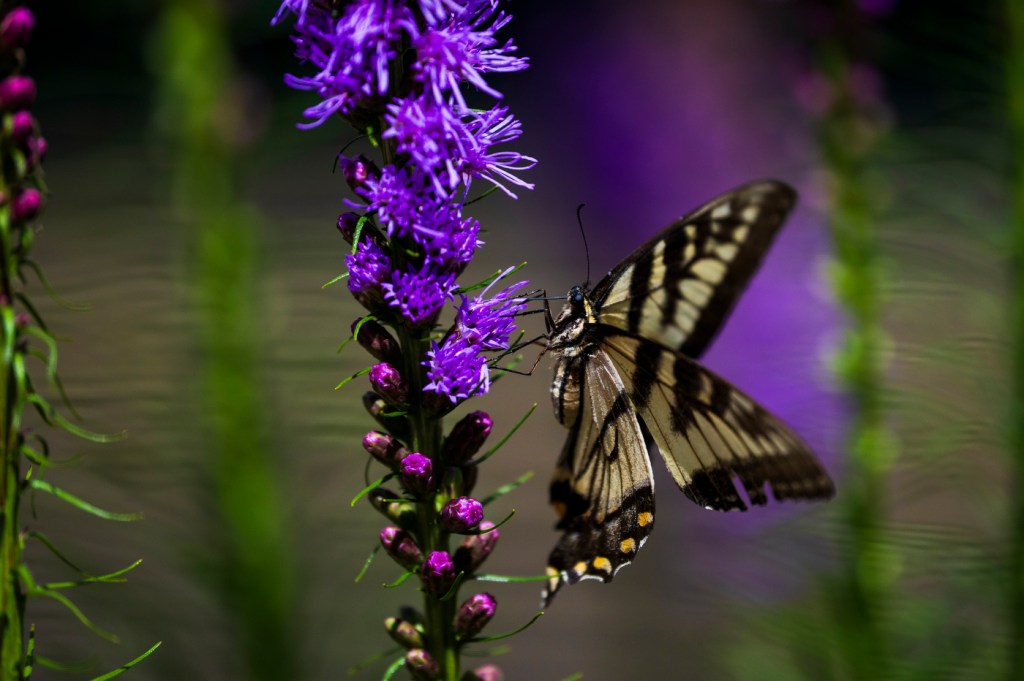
1015	102
12	597
847	137
256	569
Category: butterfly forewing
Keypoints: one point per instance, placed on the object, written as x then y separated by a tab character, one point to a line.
679	287
627	350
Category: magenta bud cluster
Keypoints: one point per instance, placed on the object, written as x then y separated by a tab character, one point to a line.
389	384
400	545
418	475
474	614
462	514
438	573
466	437
474	549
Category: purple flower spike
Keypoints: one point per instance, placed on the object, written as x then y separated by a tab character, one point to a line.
474	614
487	672
489	322
17	92
461	514
422	666
438	573
418	474
388	383
475	548
466	438
400	545
16	27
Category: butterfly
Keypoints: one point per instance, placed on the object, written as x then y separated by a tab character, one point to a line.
625	355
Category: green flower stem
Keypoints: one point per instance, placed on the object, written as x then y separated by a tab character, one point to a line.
847	137
256	565
12	596
1015	112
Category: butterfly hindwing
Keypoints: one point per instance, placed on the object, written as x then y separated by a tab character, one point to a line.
711	434
678	288
602	489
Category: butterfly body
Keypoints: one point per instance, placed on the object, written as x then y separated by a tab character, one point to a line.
625	353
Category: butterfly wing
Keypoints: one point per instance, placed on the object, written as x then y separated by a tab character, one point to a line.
710	433
679	288
602	490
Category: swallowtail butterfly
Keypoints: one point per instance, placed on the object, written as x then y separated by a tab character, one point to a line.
626	353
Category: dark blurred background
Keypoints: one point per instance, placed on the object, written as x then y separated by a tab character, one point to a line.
198	222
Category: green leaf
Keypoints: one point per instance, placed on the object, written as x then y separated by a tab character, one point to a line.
484	283
48	414
400	581
372	486
81	504
34	266
367	661
363	219
498	637
45	541
505	489
574	677
454	589
128	665
490	452
109	578
366	565
66	602
361	372
30	654
343	275
496	526
390	671
487	193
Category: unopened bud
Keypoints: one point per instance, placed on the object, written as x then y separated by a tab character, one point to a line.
376	340
17	92
22	124
475	548
357	170
488	672
401	546
26	205
422	665
379	409
466	438
401	512
438	573
347	225
385	448
16	27
462	514
474	614
404	632
389	384
418	474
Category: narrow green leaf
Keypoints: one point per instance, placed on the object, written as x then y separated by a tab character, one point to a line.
79	615
45	541
367	661
454	589
490	452
390	671
495	526
359	232
343	275
372	486
505	489
52	292
487	193
484	283
498	637
361	372
400	581
574	677
366	565
53	418
128	665
81	504
109	578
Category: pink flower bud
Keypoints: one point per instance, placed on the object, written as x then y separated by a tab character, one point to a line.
17	92
466	438
474	614
401	546
26	205
461	514
16	27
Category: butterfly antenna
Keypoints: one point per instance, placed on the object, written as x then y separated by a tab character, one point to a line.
586	248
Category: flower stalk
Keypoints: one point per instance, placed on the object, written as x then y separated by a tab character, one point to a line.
394	70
